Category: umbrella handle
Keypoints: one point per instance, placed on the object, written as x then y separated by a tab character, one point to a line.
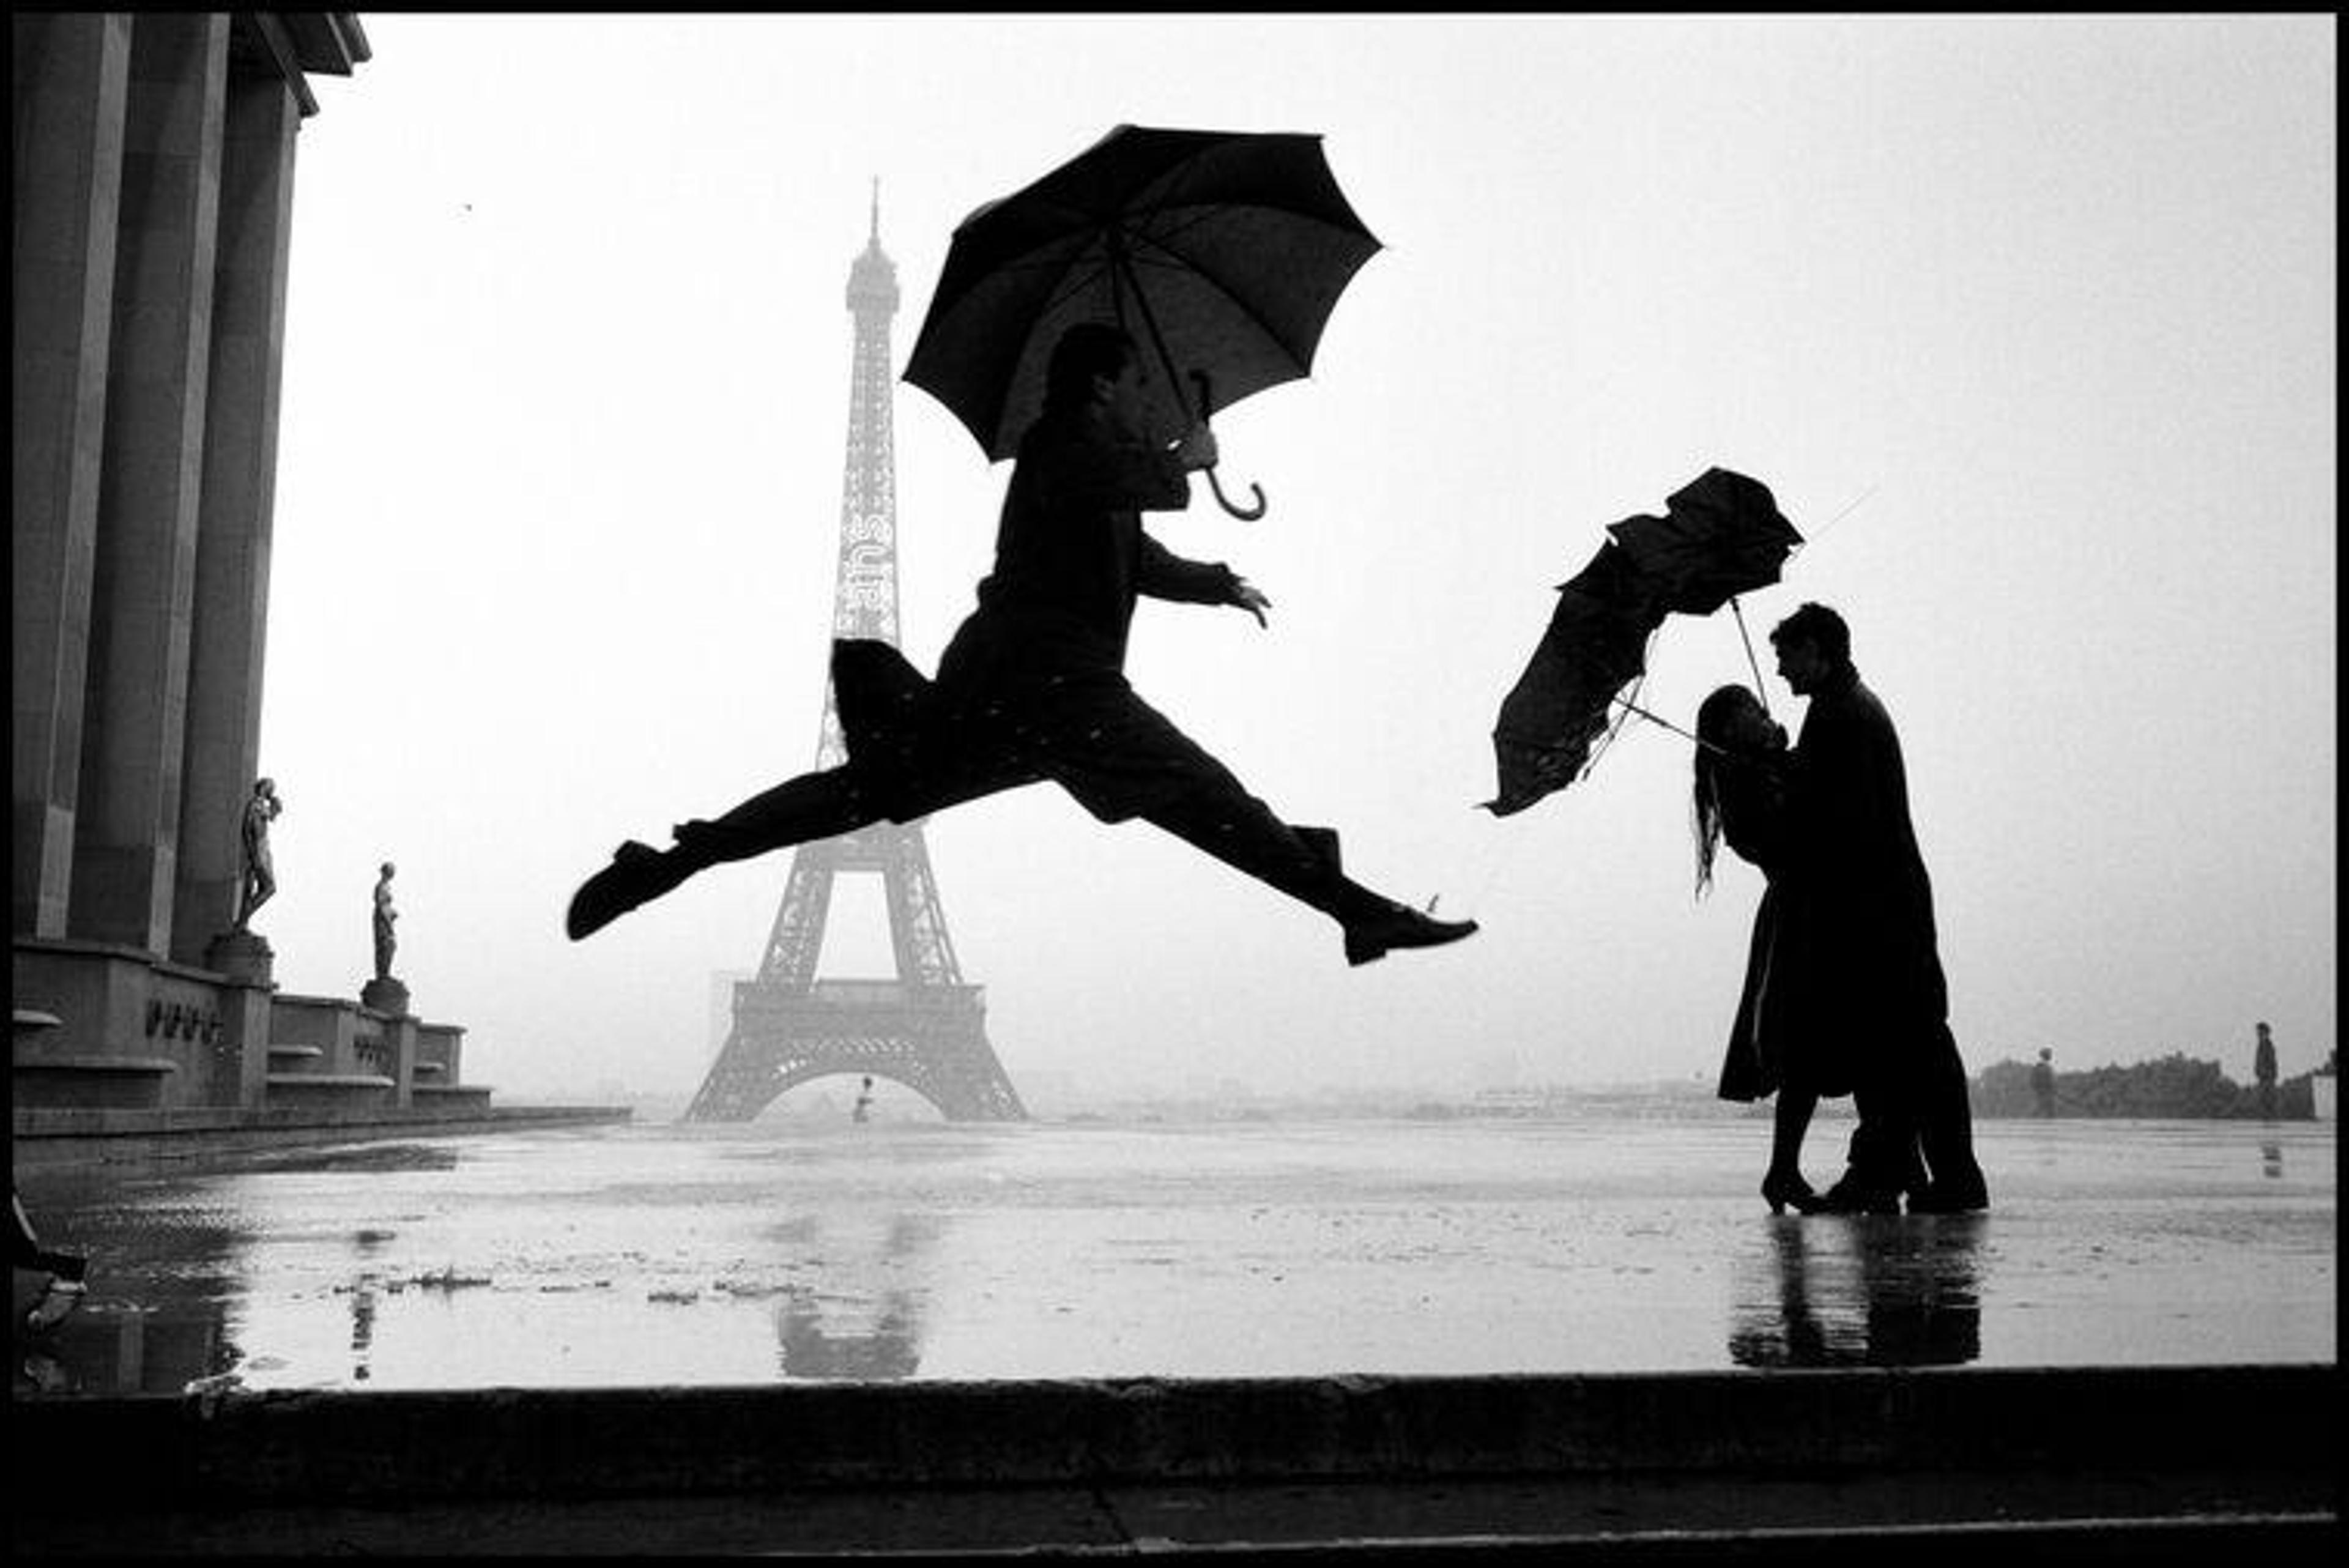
1246	514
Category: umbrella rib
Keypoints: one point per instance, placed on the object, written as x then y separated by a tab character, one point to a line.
1204	211
1185	264
1207	210
1172	261
1073	281
1175	198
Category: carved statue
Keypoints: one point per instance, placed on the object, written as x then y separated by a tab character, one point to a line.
384	916
257	879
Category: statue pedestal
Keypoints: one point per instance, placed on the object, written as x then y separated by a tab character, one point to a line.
385	995
242	956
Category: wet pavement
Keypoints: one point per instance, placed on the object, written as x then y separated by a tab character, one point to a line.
640	1255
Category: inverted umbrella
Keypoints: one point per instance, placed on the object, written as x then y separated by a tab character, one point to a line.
1224	251
1595	645
1720	535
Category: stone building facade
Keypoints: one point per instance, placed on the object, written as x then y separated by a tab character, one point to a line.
153	185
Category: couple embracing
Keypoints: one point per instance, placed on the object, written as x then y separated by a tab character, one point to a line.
1843	992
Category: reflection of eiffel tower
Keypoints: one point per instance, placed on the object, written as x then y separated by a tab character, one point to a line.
925	1028
866	1320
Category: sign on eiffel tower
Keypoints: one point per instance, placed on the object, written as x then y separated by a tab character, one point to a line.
924	1029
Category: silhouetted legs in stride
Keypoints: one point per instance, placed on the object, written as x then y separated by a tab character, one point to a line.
1190	796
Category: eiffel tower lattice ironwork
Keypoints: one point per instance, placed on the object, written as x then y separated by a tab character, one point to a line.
924	1029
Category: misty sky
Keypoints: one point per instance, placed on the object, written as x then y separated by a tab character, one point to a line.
564	410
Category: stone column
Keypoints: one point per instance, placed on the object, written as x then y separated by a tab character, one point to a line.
72	80
127	823
240	1074
400	1035
239	492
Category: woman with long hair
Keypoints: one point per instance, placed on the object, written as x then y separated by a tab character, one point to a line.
1739	797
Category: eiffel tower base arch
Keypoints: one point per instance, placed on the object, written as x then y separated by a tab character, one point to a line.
931	1039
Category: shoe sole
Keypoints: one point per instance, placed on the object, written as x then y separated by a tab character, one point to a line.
1363	952
599	900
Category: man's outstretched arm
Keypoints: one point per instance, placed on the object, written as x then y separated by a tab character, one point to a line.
1164	574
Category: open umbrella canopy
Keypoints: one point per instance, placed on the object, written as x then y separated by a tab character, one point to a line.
1720	535
1223	253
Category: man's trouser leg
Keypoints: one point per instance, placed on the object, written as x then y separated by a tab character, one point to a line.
1882	1163
797	811
1120	757
1086	730
1945	1119
1242	831
810	806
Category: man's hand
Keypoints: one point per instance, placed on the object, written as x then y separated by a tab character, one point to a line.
1197	449
1246	595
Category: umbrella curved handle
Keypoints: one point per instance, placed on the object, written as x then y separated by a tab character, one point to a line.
1246	514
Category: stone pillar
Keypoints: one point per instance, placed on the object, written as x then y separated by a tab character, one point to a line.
72	81
239	492
399	1036
241	1056
128	819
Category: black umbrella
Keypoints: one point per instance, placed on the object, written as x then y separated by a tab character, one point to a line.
1595	645
1224	251
1720	535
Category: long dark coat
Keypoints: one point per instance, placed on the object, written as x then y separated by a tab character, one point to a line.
1855	970
1751	793
1764	1053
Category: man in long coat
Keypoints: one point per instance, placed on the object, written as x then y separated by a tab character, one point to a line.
1034	687
1863	967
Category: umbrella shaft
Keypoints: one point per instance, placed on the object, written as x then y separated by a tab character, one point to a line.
1122	271
1668	724
1738	610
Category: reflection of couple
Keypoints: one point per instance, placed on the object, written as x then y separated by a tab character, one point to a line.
1909	1297
1843	992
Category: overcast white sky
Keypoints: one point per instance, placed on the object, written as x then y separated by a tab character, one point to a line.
566	401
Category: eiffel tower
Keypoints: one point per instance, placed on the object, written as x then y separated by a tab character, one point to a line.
924	1029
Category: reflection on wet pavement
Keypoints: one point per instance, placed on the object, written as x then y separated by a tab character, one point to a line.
875	1343
362	1156
1869	1291
744	1255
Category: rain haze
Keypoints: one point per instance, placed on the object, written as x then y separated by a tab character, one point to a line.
2029	322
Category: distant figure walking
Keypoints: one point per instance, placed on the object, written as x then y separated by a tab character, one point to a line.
1865	960
2043	1082
257	877
2264	1070
1739	795
864	1107
385	944
1032	685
